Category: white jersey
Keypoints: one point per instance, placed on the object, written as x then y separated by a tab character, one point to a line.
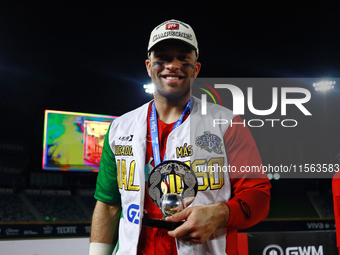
205	147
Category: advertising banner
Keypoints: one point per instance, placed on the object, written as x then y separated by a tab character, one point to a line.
293	243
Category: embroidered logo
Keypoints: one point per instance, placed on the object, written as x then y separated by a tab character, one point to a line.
123	150
245	209
210	142
184	151
171	26
133	213
126	138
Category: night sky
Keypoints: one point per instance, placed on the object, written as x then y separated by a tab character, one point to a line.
89	57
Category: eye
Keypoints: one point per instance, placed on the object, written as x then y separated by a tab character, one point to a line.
162	57
184	57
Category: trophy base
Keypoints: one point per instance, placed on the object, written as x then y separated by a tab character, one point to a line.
161	224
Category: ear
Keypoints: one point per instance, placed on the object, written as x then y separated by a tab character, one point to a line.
197	69
148	66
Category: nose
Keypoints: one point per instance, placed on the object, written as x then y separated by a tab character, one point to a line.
174	64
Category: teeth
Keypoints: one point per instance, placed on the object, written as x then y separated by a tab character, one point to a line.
172	78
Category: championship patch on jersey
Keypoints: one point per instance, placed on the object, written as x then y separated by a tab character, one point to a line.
209	142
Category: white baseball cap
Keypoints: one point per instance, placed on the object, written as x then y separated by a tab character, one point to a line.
173	29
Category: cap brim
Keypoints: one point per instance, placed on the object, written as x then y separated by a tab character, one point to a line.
170	40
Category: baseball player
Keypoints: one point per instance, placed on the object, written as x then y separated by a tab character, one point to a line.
160	130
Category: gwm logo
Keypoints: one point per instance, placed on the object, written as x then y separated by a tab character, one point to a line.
275	249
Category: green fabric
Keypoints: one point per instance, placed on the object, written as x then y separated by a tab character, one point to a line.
107	185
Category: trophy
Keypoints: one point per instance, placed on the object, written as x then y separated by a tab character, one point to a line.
172	186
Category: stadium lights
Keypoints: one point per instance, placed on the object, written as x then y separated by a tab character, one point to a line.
149	88
324	85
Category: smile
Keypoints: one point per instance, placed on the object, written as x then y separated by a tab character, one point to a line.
171	77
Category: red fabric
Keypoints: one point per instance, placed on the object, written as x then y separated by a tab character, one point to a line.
336	205
154	240
243	243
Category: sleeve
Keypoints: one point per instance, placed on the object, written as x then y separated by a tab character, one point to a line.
336	205
250	199
107	185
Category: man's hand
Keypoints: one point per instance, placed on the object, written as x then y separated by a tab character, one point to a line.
200	222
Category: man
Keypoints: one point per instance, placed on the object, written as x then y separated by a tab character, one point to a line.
220	208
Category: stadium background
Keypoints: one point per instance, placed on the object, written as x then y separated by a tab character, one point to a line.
89	57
